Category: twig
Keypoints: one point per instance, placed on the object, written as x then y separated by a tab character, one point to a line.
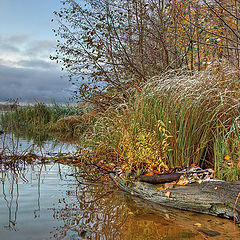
234	207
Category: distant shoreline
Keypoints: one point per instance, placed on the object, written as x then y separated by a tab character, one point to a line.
6	107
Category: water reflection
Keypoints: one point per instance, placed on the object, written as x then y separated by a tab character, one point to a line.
92	212
11	178
46	202
15	144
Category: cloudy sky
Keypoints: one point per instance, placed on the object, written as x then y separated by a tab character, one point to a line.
26	42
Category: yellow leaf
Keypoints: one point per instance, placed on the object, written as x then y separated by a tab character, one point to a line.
198	224
161	123
132	193
167	194
227	157
211	171
182	182
215	188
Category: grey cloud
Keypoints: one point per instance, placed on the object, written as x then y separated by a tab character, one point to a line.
11	44
28	84
16	39
38	64
39	48
23	45
9	48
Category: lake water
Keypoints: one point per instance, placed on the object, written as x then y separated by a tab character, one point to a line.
13	143
48	202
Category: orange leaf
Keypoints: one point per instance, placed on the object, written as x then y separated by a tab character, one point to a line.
168	185
167	194
167	216
227	157
238	165
149	174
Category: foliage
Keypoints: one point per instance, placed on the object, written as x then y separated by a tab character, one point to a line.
144	151
119	45
200	114
193	108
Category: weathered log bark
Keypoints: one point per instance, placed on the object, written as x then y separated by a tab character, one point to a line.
216	198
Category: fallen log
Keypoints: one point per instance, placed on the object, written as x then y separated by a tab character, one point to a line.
160	178
217	198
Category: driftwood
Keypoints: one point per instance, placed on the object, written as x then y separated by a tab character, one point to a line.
160	178
217	198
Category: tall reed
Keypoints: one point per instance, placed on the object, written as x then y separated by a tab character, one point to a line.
193	106
200	113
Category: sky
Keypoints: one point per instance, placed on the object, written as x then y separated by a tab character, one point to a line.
26	42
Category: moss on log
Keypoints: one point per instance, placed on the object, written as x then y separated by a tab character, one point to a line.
217	198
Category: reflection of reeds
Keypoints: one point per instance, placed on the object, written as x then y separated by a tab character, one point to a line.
11	178
92	212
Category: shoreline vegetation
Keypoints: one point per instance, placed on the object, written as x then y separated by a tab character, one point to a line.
163	129
160	83
176	121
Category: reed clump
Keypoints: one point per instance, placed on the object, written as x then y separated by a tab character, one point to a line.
200	116
41	119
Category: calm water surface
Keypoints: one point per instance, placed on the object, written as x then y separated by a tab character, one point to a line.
47	202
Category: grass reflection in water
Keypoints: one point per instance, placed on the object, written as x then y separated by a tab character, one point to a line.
46	202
